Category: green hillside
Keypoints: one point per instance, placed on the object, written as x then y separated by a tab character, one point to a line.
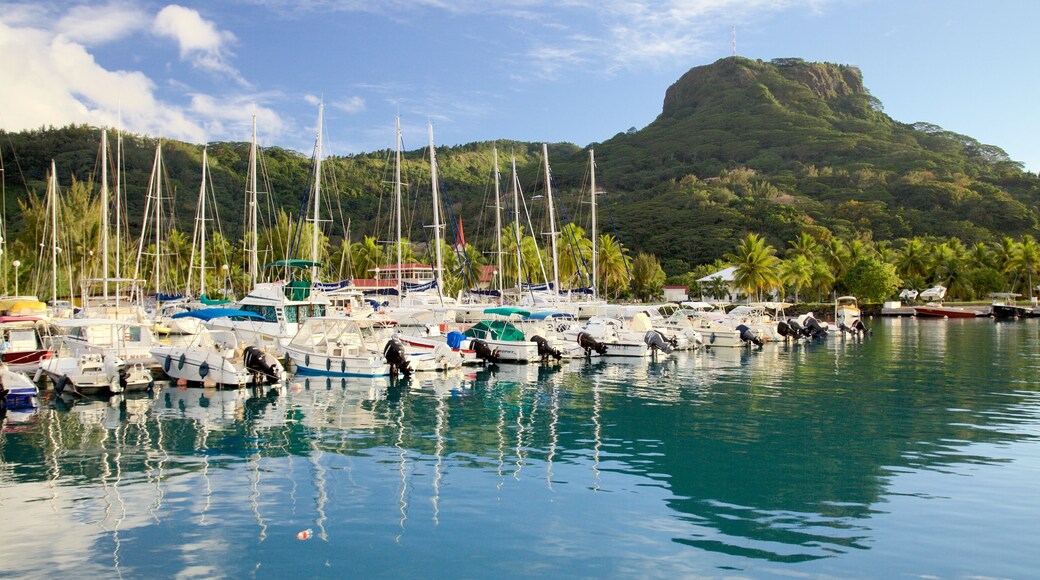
778	148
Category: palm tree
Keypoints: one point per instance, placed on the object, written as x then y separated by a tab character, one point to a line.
948	266
822	279
1025	261
756	265
613	265
365	255
803	245
912	261
575	255
797	272
836	256
1003	253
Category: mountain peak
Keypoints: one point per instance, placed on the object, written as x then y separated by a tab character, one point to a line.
742	83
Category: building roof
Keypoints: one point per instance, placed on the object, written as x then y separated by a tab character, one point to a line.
726	274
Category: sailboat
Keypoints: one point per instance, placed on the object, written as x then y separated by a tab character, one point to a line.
118	298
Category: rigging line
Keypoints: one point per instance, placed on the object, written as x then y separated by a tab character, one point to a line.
577	257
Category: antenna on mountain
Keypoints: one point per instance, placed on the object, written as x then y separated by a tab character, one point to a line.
734	41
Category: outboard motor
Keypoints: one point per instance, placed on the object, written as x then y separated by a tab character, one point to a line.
748	336
484	351
859	327
545	350
785	330
813	328
797	329
656	341
590	344
393	352
263	366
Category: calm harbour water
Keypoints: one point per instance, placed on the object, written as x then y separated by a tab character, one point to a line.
915	452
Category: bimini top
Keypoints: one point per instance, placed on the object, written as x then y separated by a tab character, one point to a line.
507	311
211	313
542	315
292	264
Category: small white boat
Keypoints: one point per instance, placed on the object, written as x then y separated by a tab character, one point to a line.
847	315
17	391
213	357
94	374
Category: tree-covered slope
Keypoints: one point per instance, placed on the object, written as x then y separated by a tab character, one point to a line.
778	148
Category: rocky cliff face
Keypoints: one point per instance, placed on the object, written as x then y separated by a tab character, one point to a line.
738	82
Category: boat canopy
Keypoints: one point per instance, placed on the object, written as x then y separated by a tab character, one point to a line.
292	264
212	302
508	311
495	330
212	313
77	322
549	314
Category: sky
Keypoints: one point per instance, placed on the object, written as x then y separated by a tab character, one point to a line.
578	71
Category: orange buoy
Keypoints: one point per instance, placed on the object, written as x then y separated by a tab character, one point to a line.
305	534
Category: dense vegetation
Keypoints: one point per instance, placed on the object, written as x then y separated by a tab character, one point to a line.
786	150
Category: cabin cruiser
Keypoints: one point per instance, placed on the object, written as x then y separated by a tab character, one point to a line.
347	346
22	342
214	357
130	341
282	307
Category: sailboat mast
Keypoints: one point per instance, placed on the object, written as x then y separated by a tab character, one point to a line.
104	213
552	220
202	227
592	182
253	242
119	208
436	217
397	196
317	196
53	187
498	221
158	215
516	222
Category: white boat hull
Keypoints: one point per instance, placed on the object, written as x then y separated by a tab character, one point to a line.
201	365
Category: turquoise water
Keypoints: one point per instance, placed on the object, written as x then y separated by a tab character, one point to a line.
915	452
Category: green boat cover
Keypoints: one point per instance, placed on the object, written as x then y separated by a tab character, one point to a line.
211	302
507	311
495	329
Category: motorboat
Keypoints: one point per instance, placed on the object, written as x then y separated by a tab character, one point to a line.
498	339
939	310
711	322
94	374
362	347
908	295
1005	308
214	357
848	316
283	306
17	391
129	341
22	343
608	336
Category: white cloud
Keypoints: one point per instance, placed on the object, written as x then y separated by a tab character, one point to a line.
100	24
199	40
350	104
51	78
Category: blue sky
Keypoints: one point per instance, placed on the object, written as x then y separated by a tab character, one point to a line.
533	70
